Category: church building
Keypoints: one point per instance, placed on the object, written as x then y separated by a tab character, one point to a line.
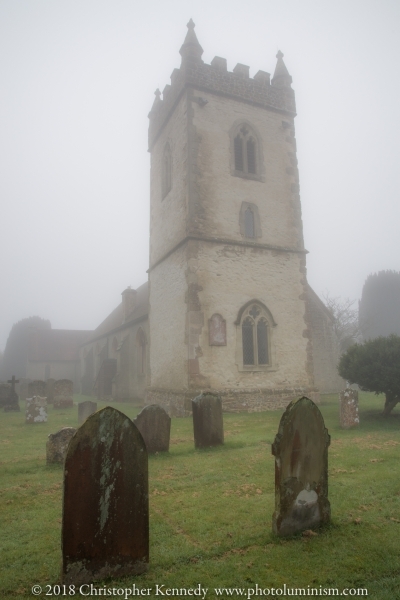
227	307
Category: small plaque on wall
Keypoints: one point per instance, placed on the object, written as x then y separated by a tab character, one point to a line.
217	331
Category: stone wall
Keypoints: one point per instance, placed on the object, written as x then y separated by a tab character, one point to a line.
178	403
324	344
123	345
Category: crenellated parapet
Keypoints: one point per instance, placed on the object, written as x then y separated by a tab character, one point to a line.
275	94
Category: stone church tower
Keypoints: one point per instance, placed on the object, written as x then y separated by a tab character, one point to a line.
227	276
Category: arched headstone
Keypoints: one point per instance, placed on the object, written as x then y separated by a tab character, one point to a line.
301	469
105	524
348	409
154	423
85	409
208	425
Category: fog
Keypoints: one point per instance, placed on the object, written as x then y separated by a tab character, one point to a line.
77	82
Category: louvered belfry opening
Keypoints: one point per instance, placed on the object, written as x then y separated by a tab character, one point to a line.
251	156
239	166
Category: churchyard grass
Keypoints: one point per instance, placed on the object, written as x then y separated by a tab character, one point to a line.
210	510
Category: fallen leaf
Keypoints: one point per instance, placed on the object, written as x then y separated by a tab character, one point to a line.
309	533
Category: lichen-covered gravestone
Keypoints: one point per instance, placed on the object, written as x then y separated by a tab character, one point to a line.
208	425
36	410
85	409
301	469
63	393
154	424
105	523
57	445
348	409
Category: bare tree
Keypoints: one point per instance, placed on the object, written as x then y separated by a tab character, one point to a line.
346	323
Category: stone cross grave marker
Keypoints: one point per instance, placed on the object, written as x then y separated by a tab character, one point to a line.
208	425
301	469
36	410
57	445
85	409
63	393
154	424
105	523
36	388
348	409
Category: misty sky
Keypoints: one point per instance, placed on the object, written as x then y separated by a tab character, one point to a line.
77	81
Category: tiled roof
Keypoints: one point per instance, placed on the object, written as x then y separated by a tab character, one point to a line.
115	319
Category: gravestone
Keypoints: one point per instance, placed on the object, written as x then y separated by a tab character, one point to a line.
154	423
301	469
36	388
36	410
12	405
63	391
208	425
85	409
5	391
50	390
348	409
105	523
8	396
57	445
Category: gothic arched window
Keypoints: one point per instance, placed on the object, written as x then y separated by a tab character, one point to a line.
249	221
166	175
255	325
249	229
245	151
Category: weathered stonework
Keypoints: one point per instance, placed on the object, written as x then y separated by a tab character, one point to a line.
208	425
105	523
36	410
57	445
348	409
301	469
201	263
154	424
85	409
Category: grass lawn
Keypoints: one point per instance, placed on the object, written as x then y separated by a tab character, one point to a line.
210	510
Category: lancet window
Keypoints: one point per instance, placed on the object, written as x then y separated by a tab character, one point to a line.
245	151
